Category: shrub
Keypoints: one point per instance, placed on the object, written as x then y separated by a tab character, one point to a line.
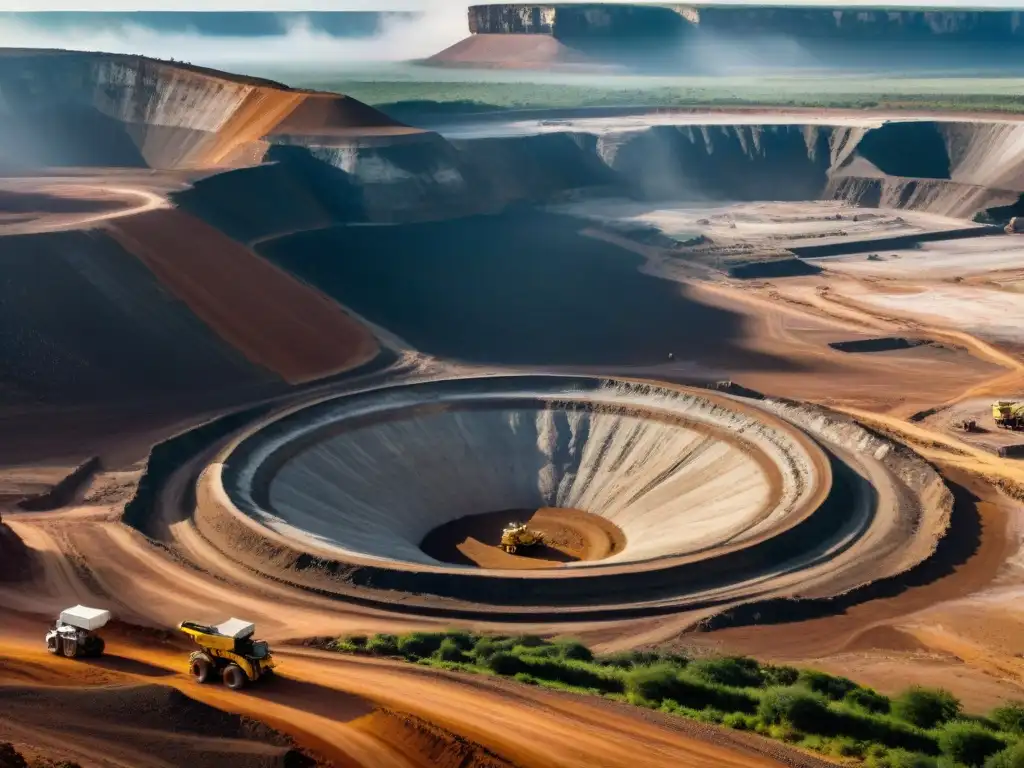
527	641
735	720
846	747
832	687
785	732
664	681
731	671
868	700
811	712
901	758
925	707
814	742
1009	717
1011	757
541	652
797	707
420	644
462	639
522	677
359	641
773	676
382	645
630	659
505	664
576	651
968	743
572	673
449	650
484	648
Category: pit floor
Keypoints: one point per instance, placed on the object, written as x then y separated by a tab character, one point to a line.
570	535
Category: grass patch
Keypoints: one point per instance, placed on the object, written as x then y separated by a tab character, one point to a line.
831	715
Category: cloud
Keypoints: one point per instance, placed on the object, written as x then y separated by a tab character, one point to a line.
399	38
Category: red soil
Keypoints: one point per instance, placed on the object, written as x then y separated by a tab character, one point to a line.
511	51
273	319
325	113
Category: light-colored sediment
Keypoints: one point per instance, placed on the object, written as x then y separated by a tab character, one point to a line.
672	488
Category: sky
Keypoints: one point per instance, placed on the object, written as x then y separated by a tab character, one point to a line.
385	5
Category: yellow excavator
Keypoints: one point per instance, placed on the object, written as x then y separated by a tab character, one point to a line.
518	535
1008	414
229	652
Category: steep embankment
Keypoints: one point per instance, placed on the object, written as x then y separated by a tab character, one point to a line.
82	320
86	109
953	169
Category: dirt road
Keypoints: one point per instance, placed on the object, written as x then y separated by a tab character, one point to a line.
376	713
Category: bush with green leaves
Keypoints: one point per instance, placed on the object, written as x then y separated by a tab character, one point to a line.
926	707
574	650
829	686
797	707
382	645
641	658
576	674
420	644
779	676
901	758
844	746
731	671
868	700
968	743
1011	757
451	650
737	721
1009	717
665	681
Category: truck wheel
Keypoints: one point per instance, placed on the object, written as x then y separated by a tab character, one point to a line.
97	646
234	677
70	648
52	644
201	669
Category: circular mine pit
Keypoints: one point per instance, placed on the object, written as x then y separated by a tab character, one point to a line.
652	497
568	535
374	480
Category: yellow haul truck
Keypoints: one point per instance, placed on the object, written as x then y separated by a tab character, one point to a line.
228	651
518	535
1008	414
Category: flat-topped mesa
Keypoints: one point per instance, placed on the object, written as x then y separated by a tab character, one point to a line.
709	38
61	108
839	22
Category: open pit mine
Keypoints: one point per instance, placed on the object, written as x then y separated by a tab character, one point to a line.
272	355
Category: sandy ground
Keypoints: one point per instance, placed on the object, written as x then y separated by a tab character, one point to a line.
761	224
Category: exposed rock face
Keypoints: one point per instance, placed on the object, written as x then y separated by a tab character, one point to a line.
66	109
950	168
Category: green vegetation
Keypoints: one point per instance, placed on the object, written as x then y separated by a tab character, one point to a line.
427	91
813	710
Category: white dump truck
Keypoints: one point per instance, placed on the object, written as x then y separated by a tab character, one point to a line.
74	634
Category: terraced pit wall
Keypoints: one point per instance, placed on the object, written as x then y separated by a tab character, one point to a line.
63	108
954	169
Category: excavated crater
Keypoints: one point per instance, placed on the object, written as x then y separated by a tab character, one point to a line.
677	475
655	498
